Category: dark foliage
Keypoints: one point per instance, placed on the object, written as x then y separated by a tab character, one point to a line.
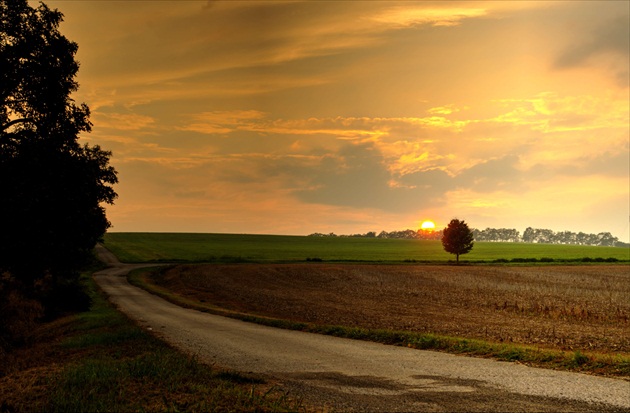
52	187
19	316
457	238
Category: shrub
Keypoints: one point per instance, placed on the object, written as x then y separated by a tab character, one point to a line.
523	260
19	317
66	295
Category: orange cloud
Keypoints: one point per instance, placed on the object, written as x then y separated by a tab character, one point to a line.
405	16
122	121
222	122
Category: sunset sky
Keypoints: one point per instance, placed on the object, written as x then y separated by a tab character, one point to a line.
354	116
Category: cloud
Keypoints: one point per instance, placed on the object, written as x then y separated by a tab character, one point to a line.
210	4
542	130
611	38
359	176
406	16
611	164
354	177
222	122
500	174
548	112
156	45
123	121
444	110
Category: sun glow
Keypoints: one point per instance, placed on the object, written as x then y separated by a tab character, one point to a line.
428	226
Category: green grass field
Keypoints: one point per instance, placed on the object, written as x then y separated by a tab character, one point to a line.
170	247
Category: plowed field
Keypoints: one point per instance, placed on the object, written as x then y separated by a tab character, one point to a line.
563	307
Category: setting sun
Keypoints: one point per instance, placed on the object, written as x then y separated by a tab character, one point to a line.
428	225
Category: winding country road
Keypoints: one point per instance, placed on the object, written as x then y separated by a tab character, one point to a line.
347	375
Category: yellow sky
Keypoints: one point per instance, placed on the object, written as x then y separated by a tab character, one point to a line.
355	116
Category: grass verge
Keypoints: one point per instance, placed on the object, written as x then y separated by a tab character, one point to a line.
590	362
101	361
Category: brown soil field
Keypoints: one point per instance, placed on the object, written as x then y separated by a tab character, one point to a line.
558	307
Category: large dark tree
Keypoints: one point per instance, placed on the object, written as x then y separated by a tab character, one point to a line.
457	238
52	188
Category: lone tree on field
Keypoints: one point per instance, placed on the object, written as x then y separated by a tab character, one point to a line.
457	238
51	186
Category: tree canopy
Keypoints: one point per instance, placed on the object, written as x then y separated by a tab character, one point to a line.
52	186
457	238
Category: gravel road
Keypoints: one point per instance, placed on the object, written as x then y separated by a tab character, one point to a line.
347	375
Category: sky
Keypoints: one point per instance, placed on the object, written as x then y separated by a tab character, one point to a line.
294	117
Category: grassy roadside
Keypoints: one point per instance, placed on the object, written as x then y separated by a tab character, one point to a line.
591	362
101	361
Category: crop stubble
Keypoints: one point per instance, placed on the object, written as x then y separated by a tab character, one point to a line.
558	307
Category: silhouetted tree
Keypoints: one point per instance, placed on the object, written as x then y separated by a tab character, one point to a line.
51	186
457	238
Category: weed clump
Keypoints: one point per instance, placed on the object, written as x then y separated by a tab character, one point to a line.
427	341
579	359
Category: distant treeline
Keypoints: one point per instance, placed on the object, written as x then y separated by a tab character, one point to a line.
405	234
531	235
